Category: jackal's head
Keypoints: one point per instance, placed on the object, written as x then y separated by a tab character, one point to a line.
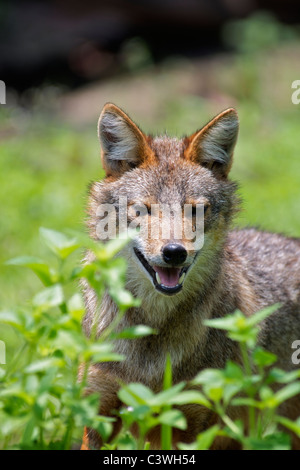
151	181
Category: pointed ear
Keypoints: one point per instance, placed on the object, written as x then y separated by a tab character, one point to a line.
123	145
213	146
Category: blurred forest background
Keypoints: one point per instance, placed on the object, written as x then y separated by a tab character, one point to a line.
172	65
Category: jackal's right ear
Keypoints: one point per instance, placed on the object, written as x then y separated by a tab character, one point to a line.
213	146
123	145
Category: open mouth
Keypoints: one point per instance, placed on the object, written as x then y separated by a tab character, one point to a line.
166	280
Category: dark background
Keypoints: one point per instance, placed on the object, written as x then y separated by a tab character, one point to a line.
72	42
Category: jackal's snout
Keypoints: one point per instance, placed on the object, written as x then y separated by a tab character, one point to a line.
174	254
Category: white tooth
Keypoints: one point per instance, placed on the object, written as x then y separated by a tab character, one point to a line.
181	278
158	278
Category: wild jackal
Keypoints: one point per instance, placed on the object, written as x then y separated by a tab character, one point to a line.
181	281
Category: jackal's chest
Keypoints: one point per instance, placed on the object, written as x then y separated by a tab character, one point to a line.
191	347
145	360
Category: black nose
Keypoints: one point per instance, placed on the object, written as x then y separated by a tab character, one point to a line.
174	254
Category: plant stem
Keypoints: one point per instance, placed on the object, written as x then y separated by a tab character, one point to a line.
166	430
15	360
228	421
248	371
68	435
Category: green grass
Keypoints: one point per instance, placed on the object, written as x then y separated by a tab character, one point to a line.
44	174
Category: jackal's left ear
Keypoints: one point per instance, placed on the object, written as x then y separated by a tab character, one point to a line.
213	146
123	145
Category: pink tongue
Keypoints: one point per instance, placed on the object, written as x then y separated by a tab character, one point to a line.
168	276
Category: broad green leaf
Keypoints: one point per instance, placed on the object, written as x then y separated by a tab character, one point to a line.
241	328
233	371
287	392
75	306
292	425
102	352
104	428
211	377
258	317
173	418
107	251
50	297
204	440
190	396
266	393
281	376
16	390
214	393
232	322
50	376
70	342
11	425
263	358
127	442
134	414
276	441
42	365
11	318
59	243
135	394
248	336
46	274
138	331
164	397
244	401
123	298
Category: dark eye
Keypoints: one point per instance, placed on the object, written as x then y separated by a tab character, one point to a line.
141	209
194	209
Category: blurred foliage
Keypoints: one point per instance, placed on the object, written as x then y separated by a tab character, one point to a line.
135	55
43	404
257	33
41	400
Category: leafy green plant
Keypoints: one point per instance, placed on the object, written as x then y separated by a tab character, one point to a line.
42	402
249	385
237	385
